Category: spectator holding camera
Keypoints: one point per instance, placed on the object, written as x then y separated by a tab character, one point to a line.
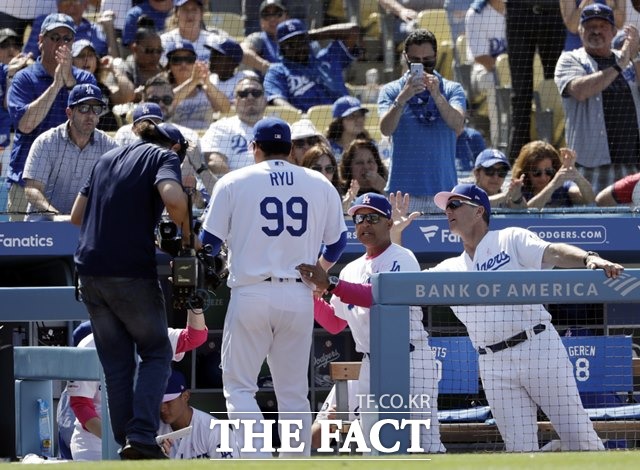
127	191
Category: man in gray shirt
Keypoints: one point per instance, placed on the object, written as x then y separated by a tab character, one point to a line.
61	159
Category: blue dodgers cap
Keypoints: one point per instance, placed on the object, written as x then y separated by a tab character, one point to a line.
149	111
175	386
227	47
466	191
374	201
290	28
57	20
489	157
180	46
271	129
347	105
179	3
597	10
84	92
79	46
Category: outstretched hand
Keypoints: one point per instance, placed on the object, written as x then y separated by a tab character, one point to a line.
400	216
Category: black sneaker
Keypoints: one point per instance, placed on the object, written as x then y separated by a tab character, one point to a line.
138	451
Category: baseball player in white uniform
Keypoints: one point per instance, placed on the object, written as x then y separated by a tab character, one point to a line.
372	217
175	414
523	363
86	443
273	216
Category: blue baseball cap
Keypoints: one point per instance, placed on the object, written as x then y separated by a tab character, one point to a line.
271	129
172	133
175	386
467	191
84	92
290	28
79	45
489	157
179	3
227	47
57	20
374	201
597	10
180	46
347	105
149	111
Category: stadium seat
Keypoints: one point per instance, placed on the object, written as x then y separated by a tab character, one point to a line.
285	113
437	22
321	116
232	23
548	117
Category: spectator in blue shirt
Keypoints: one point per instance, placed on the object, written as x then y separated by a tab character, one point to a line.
37	99
104	40
307	78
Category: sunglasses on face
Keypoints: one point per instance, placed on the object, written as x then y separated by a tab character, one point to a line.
326	169
152	50
537	173
166	99
492	170
96	109
246	93
57	38
182	59
310	141
370	218
457	203
265	15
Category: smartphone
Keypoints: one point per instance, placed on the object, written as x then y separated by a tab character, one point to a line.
417	70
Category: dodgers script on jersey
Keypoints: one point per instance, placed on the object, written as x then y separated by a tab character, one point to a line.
202	442
282	213
512	248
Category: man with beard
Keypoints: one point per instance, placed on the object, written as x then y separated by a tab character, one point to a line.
601	101
305	77
425	105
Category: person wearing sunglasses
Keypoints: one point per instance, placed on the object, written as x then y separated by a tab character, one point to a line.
144	60
102	35
304	135
372	217
601	100
306	77
116	86
196	97
61	159
490	172
348	124
550	178
320	158
226	142
37	99
264	43
423	113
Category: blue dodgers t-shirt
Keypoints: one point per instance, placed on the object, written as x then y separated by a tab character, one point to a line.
123	208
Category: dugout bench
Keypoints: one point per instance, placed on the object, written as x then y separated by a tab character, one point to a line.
610	369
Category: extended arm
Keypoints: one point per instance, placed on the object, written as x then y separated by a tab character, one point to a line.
563	255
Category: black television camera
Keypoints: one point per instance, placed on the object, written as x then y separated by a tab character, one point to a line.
196	274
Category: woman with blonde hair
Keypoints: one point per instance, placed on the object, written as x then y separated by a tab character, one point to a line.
550	178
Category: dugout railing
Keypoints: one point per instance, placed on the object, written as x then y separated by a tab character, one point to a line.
393	293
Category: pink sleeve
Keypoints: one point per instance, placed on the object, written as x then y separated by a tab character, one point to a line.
83	408
326	317
352	293
190	338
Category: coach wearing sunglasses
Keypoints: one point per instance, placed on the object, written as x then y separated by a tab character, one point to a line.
550	178
490	172
61	159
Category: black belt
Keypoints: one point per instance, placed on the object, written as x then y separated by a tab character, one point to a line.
513	341
282	279
411	349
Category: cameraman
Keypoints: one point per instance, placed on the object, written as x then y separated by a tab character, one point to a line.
118	209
